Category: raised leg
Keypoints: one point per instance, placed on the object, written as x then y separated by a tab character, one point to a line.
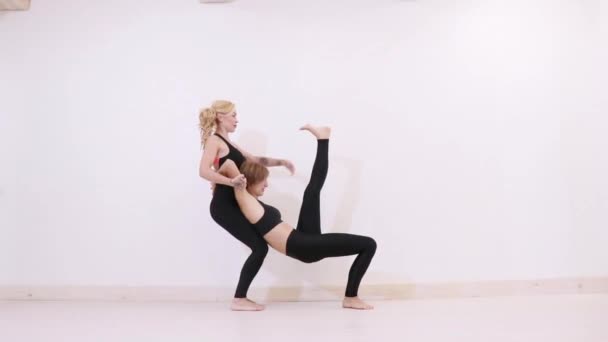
309	220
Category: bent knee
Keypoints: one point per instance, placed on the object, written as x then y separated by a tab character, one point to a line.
371	244
309	259
261	250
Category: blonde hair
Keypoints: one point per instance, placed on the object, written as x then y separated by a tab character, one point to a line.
208	117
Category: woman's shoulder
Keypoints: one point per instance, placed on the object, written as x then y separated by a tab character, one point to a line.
267	206
214	138
215	141
210	141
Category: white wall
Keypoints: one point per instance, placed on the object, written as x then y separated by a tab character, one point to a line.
469	136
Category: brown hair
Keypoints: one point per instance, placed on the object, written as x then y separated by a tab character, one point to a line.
254	172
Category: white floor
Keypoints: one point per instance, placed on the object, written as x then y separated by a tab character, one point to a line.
572	318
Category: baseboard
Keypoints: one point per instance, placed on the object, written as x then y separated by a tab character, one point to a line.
321	293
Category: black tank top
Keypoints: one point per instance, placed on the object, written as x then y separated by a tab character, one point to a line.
233	154
272	216
270	219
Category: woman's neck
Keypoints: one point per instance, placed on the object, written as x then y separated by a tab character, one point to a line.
252	194
223	133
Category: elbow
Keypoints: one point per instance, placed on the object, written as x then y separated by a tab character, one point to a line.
203	174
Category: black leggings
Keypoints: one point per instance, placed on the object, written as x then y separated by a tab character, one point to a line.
308	244
226	212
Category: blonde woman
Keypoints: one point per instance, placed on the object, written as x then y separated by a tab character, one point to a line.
305	243
217	123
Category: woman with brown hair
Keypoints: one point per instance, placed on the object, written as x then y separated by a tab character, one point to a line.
306	242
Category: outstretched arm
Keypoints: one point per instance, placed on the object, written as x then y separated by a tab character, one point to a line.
251	208
267	161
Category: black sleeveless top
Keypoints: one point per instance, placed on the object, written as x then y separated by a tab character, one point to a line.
270	219
272	216
233	154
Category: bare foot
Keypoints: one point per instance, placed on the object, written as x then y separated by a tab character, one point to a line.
321	132
244	304
355	303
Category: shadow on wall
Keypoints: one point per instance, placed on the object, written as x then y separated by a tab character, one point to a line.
285	269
